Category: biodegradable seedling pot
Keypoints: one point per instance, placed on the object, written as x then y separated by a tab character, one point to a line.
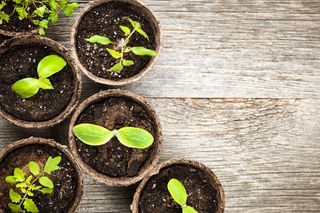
68	182
19	58
114	163
205	192
103	17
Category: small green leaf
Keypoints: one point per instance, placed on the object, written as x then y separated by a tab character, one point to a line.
125	29
30	194
21	12
143	51
34	187
136	25
143	33
116	68
30	206
28	180
46	191
135	137
34	168
22	185
52	164
23	190
127	50
99	40
14	196
44	23
46	182
127	63
114	53
177	191
19	174
70	9
44	83
26	87
50	65
40	11
11	179
91	134
41	32
188	209
15	208
53	17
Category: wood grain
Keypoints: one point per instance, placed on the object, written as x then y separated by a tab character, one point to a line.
265	151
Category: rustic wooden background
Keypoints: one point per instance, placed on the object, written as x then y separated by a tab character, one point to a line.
237	87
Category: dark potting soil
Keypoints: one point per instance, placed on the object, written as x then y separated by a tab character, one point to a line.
21	62
155	196
105	20
113	159
3	38
15	25
64	179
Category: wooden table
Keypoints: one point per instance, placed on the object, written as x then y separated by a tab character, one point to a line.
237	87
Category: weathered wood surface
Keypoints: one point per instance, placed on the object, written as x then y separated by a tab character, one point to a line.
265	150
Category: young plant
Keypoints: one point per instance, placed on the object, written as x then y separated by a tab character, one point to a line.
21	200
179	194
120	48
40	13
95	135
48	66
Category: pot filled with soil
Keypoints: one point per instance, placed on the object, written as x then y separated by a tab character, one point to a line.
29	17
116	42
39	82
177	186
39	175
116	137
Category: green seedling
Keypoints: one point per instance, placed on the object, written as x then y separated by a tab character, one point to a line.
95	135
24	188
48	66
118	49
179	194
40	13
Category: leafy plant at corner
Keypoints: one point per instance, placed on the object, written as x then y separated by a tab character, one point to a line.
95	135
48	66
25	187
179	195
40	13
121	47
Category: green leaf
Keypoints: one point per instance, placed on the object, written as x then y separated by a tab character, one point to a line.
114	53
34	168
15	208
5	17
116	68
41	31
143	51
50	65
143	33
54	5
70	9
53	17
11	179
188	209
46	191
136	25
34	187
135	137
63	3
177	191
99	40
127	63
23	190
22	185
52	164
14	196
46	182
30	206
91	134
44	23
40	11
30	194
28	180
125	29
44	83
19	174
2	5
26	87
22	13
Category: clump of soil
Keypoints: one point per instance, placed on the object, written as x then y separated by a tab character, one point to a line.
15	24
113	159
105	20
155	197
64	179
21	62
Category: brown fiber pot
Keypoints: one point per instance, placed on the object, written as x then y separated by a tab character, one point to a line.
147	12
58	48
49	142
197	165
18	33
148	164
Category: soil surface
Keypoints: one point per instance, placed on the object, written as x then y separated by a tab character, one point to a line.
105	20
201	194
64	179
21	62
113	159
3	38
15	25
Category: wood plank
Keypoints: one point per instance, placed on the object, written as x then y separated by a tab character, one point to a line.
230	48
265	151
